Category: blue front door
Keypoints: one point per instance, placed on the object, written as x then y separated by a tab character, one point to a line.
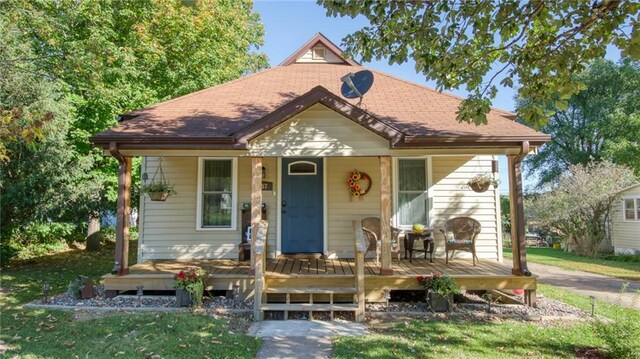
302	229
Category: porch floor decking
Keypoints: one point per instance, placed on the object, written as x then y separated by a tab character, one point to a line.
324	267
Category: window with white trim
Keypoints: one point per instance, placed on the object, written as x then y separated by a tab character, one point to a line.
631	209
413	201
216	194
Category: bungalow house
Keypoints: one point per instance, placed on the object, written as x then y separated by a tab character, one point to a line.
282	145
625	221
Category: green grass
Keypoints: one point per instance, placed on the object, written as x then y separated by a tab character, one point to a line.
562	259
453	339
57	334
476	339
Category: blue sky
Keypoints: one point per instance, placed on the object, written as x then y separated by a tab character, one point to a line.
289	24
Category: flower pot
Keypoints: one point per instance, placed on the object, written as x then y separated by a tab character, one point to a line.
438	302
158	196
479	187
183	298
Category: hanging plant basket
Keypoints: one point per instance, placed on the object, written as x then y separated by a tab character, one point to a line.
158	189
481	183
479	187
159	196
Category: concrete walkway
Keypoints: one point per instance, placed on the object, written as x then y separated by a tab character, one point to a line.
599	286
300	338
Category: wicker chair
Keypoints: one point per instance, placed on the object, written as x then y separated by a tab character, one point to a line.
460	233
371	230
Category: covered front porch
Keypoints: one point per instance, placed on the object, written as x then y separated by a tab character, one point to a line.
224	274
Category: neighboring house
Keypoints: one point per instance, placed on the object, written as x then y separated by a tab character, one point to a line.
625	221
290	129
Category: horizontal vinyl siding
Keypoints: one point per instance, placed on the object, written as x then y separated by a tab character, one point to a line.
169	228
625	234
344	208
319	131
453	198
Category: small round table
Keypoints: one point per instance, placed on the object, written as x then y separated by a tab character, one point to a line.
427	240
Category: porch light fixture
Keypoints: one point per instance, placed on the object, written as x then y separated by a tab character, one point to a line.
387	297
46	287
139	293
235	290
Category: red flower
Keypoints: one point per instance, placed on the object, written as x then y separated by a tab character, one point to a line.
420	278
181	275
437	275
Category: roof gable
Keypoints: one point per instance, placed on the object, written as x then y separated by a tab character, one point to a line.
319	41
314	96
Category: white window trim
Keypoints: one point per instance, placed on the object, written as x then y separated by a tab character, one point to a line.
636	204
396	191
234	195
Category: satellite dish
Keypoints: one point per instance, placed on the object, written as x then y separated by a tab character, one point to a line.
356	85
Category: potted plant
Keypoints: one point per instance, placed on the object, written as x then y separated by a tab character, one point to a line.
157	191
440	290
481	182
190	286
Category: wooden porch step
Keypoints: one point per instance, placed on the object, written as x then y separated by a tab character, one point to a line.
302	290
310	307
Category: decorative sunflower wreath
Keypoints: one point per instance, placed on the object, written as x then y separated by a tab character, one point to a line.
356	187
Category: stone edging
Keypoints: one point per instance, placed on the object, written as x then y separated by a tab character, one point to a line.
132	309
529	318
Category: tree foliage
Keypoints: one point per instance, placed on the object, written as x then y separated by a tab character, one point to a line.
580	205
463	43
601	122
42	178
96	59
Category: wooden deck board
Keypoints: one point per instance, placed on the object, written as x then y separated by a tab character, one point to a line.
321	267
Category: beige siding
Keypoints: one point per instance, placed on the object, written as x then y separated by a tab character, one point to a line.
329	57
343	208
169	228
453	198
316	132
625	233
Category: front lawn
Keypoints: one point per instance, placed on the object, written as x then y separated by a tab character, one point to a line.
58	334
463	339
479	339
562	259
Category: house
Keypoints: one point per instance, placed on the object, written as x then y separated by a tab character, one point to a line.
625	221
287	139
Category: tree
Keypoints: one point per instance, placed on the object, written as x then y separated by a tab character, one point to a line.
41	173
601	122
463	43
580	205
114	56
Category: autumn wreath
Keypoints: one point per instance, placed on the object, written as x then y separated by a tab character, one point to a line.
356	185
